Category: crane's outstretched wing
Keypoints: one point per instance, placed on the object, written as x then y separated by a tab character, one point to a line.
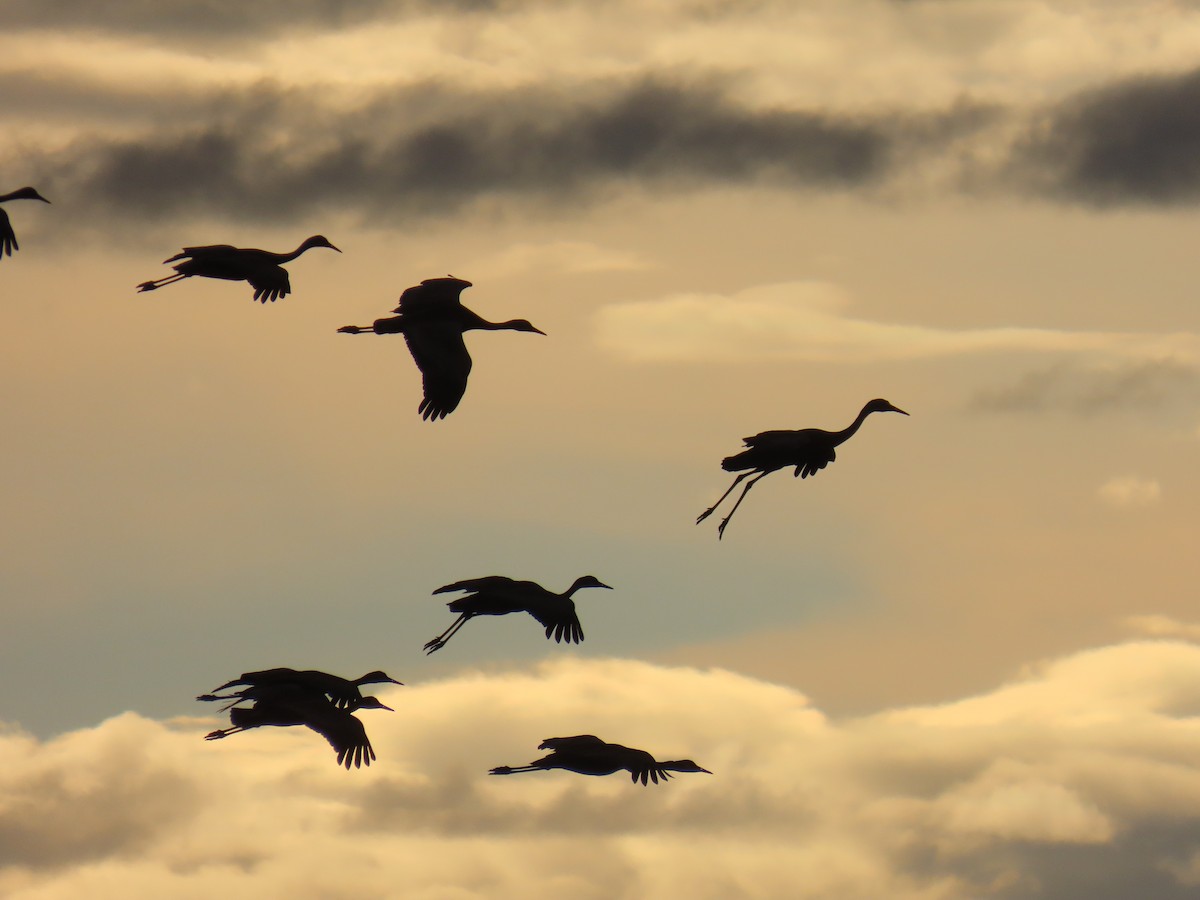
577	742
652	771
431	297
347	736
212	250
8	238
560	621
492	585
270	282
441	354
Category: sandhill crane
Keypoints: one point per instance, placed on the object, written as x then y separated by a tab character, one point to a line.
291	703
808	449
8	238
496	595
588	755
433	320
261	268
341	691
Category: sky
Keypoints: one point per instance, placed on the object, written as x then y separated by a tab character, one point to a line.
960	662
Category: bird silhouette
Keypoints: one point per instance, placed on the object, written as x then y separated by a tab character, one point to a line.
8	238
285	703
261	268
342	692
588	755
433	321
808	449
496	595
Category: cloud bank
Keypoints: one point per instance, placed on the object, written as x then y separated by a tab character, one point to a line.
1074	782
807	321
272	154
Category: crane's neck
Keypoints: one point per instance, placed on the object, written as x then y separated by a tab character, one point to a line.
845	434
576	585
288	257
485	325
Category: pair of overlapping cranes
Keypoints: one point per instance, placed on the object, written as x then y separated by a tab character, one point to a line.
433	321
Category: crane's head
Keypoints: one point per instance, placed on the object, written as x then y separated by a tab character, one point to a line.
882	406
683	765
317	240
27	193
523	325
585	581
377	677
371	703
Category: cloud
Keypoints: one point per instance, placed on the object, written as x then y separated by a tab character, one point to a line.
1155	625
1138	384
568	257
1129	491
1047	787
219	19
805	320
1133	141
271	154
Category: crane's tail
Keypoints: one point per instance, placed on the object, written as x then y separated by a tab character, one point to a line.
738	462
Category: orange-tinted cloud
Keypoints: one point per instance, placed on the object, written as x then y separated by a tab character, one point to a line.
1043	787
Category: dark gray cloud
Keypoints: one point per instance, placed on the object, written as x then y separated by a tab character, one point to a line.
1067	388
1136	141
207	20
271	154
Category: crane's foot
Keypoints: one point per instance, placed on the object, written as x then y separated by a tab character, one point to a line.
704	515
721	527
435	644
352	329
147	286
501	770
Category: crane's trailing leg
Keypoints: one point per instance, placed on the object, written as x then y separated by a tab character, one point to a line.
224	732
152	285
355	329
509	770
440	641
749	484
712	509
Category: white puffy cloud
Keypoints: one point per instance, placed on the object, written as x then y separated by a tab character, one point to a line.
1039	788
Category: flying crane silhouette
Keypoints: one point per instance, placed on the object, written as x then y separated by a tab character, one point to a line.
496	595
8	238
298	702
588	755
261	268
341	692
808	449
433	321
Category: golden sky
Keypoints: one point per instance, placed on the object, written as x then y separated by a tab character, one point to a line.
958	663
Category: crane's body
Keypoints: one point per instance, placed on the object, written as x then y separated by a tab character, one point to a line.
301	700
586	754
262	269
808	449
433	321
341	691
496	595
